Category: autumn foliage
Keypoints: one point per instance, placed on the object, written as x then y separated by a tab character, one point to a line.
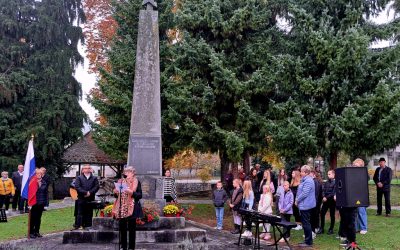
99	30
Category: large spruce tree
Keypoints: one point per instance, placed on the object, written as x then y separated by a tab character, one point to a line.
339	94
219	90
39	95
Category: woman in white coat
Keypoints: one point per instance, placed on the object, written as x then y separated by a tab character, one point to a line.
265	207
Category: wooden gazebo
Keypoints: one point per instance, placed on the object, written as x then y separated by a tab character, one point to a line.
85	151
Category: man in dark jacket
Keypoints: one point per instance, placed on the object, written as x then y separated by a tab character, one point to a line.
17	199
382	179
86	185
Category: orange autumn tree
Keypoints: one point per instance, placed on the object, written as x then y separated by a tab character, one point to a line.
99	29
184	159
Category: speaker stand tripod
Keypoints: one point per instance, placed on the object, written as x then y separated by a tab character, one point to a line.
353	246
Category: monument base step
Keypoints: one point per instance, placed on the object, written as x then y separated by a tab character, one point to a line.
109	224
160	236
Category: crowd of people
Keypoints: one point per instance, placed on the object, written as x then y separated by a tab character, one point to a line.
302	194
10	191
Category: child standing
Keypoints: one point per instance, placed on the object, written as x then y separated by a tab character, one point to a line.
219	199
294	185
236	201
248	201
328	202
285	206
265	207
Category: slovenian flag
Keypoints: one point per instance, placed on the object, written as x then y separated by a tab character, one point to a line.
29	183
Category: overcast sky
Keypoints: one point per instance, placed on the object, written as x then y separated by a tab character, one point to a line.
88	81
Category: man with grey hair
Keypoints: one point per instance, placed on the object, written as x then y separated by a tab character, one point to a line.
18	199
87	186
305	200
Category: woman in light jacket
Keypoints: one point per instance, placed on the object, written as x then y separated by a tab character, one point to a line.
265	207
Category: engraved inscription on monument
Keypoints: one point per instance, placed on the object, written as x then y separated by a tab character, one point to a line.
146	154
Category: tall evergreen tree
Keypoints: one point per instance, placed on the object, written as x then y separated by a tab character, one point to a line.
38	44
339	94
219	91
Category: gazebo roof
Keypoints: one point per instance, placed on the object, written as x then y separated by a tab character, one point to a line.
85	151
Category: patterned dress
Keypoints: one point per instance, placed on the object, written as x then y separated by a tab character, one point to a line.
127	201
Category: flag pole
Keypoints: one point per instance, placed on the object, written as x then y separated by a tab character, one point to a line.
29	215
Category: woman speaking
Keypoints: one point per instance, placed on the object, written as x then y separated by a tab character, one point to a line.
127	207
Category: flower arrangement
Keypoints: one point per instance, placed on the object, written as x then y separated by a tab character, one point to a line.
149	215
179	210
184	211
170	210
107	211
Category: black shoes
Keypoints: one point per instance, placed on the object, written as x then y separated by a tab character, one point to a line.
320	231
330	231
304	245
35	235
236	230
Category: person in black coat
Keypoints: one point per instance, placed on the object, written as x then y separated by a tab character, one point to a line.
47	179
328	194
315	213
37	209
382	179
17	199
127	221
87	186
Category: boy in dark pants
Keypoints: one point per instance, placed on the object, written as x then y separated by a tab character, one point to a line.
328	202
219	199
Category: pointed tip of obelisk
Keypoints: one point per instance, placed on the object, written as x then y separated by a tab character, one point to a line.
152	3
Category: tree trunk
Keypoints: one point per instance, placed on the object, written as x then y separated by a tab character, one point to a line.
333	159
224	164
246	162
235	169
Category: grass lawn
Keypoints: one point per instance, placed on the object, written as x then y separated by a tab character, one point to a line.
394	195
394	181
383	233
52	221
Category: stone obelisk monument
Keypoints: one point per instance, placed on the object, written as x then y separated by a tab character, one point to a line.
145	132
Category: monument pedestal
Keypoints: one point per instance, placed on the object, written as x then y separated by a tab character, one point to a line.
152	192
166	230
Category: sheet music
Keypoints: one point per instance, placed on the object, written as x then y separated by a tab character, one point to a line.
123	186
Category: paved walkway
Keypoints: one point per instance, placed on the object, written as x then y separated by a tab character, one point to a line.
216	240
67	202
